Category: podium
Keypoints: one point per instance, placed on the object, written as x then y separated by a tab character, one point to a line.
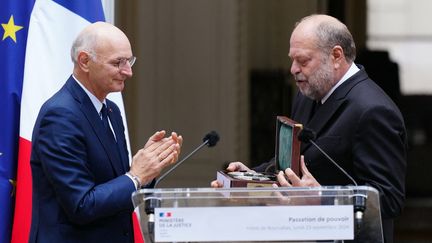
262	214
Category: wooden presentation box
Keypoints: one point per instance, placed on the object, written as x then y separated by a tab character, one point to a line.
244	179
287	145
287	155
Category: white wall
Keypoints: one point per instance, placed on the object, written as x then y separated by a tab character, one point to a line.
403	28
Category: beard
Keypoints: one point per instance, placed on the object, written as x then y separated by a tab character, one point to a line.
318	83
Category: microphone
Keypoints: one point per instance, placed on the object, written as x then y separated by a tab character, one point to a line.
210	139
359	199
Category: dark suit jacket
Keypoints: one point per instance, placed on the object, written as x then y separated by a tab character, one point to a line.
363	131
80	190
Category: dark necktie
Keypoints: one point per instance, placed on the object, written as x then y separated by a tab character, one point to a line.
104	113
317	105
112	141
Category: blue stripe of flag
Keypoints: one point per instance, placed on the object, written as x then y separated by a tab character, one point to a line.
91	10
12	53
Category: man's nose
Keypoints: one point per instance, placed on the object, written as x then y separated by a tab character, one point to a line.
126	70
295	69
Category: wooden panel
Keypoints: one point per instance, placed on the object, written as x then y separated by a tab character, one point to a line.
189	77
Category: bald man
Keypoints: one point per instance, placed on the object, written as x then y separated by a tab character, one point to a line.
356	123
82	181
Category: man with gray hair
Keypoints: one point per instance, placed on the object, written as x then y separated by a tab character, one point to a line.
82	180
355	122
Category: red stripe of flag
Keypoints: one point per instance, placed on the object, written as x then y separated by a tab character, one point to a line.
136	228
23	202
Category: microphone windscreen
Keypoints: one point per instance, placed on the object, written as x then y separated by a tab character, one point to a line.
306	135
212	138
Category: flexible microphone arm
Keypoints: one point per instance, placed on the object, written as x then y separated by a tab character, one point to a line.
359	199
210	140
307	135
334	162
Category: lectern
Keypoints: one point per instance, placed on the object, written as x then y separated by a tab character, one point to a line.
324	214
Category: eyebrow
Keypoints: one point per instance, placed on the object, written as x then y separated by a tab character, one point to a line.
121	58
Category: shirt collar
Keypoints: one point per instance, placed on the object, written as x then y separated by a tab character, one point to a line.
95	101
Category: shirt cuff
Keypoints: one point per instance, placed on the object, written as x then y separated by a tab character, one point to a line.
135	180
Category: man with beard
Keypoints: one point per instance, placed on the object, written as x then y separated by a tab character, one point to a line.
356	123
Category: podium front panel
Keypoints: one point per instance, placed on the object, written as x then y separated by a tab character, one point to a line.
257	214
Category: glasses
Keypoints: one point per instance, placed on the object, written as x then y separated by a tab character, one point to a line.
120	63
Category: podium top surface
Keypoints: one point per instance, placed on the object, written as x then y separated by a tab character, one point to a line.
326	191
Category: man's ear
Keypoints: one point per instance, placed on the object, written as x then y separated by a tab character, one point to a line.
83	60
338	56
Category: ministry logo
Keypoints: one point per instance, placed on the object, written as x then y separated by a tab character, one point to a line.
165	214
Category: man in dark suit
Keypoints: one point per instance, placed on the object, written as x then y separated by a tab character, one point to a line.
82	180
355	122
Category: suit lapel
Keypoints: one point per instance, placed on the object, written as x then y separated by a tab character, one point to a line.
321	118
324	114
93	118
117	124
336	100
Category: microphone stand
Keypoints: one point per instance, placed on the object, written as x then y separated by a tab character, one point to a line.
334	162
181	161
359	198
151	203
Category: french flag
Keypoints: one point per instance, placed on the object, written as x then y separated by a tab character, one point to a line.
47	33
